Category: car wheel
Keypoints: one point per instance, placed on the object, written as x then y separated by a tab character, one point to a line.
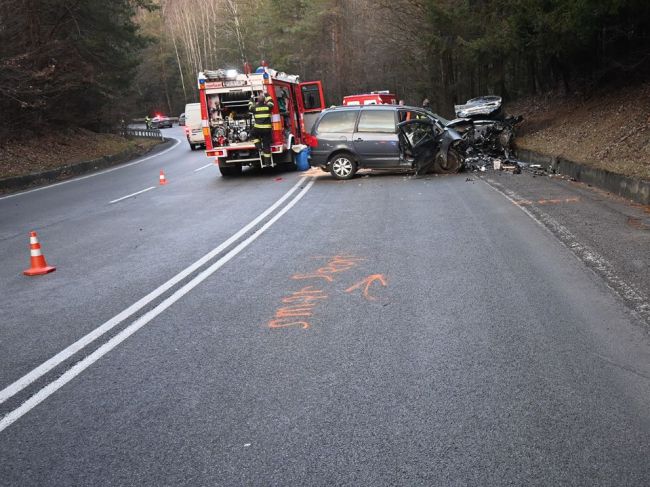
451	165
192	147
230	171
343	166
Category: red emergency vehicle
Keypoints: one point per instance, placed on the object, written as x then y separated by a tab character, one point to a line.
373	98
228	126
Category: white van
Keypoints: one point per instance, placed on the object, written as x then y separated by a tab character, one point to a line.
193	129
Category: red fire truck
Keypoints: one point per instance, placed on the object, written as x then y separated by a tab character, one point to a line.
384	97
227	124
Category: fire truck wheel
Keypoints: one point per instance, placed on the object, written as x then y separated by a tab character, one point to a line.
343	166
289	162
230	171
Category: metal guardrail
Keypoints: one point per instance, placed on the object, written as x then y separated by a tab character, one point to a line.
148	133
141	120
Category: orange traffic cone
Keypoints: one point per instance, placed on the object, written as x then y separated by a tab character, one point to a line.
38	264
163	180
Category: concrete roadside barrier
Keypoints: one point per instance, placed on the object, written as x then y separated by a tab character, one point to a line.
635	189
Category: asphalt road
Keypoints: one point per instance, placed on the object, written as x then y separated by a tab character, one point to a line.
378	331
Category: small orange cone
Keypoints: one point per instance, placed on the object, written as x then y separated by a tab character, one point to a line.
38	264
163	180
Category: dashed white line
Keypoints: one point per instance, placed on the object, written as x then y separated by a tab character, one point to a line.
203	167
79	367
132	195
17	386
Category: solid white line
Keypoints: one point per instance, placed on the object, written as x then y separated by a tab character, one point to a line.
132	194
203	167
79	367
66	353
106	171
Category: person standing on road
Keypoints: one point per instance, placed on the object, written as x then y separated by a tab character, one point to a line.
261	109
147	121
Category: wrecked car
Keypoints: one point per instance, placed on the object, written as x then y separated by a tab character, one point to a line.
485	129
383	137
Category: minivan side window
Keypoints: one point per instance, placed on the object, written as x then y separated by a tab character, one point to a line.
382	121
337	122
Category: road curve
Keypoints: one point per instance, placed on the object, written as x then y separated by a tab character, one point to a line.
375	331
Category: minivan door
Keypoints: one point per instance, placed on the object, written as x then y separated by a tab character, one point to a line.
375	139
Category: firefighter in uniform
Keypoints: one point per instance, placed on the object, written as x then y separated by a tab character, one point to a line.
261	109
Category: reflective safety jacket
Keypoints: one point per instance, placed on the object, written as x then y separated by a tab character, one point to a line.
262	113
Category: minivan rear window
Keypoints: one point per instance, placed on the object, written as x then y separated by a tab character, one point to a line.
334	122
382	121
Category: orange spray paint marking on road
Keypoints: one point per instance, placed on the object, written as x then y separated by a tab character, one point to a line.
367	282
273	324
300	305
523	203
336	264
547	201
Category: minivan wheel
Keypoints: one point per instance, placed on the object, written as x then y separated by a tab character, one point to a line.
342	166
452	165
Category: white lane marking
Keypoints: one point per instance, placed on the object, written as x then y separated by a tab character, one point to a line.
132	194
66	353
106	171
203	167
635	298
79	367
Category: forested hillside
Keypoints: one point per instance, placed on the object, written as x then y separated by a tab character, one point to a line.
88	62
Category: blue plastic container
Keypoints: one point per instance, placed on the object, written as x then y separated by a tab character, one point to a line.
302	160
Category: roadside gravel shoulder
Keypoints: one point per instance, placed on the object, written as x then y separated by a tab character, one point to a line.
609	234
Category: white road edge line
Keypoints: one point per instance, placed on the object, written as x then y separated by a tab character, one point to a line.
131	195
79	367
599	265
121	166
203	167
45	367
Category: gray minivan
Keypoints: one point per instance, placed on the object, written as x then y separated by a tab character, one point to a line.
348	138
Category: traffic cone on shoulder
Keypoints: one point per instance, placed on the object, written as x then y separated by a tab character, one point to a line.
38	264
163	180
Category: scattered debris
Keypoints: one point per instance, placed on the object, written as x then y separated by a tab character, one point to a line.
483	163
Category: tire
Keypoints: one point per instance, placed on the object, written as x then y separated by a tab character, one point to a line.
192	147
230	171
451	166
289	162
342	166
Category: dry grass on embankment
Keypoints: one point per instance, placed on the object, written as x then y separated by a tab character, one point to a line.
609	130
55	150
